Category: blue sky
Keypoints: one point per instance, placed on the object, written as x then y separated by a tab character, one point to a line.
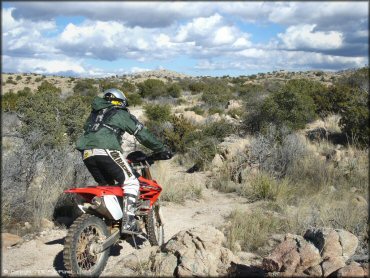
196	38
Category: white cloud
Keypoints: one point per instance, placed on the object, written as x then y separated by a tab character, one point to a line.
305	36
43	66
326	34
212	32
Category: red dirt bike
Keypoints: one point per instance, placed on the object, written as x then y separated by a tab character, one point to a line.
89	238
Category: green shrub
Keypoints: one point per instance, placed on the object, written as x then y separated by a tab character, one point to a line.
134	99
197	87
215	110
55	121
19	77
262	187
287	107
85	87
48	88
10	100
105	84
216	93
157	113
128	87
174	90
152	88
178	137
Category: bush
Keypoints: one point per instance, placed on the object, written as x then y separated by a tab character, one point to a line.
56	121
134	99
19	77
276	151
85	87
178	136
152	88
287	107
10	101
215	110
216	93
128	87
197	87
157	113
174	90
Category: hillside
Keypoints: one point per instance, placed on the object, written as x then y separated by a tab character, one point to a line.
269	177
12	82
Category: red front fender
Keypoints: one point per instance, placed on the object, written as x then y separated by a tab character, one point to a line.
97	190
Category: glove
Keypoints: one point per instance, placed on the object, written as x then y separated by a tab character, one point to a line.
167	154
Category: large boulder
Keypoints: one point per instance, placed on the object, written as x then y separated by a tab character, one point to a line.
333	243
352	270
195	252
321	252
293	255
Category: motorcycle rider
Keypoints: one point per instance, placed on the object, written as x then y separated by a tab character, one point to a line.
101	147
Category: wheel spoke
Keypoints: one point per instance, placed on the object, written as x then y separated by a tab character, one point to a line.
85	259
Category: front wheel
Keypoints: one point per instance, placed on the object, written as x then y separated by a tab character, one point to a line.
80	258
154	227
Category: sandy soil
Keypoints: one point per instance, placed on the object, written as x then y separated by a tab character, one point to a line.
43	256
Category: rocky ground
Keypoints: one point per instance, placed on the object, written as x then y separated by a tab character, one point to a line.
42	255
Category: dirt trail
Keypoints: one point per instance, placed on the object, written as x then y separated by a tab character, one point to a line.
43	256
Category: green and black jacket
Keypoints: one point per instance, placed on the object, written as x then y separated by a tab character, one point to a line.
105	138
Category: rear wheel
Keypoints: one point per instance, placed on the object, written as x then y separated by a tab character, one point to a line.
84	235
154	227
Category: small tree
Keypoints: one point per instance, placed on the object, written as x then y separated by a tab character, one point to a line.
152	88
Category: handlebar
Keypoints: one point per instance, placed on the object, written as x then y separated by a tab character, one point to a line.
138	156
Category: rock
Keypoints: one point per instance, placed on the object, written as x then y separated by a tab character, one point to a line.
315	271
332	264
349	243
309	254
293	255
165	264
217	161
214	118
352	270
360	201
233	146
193	117
195	252
9	240
46	224
27	225
326	241
133	260
365	267
283	258
233	104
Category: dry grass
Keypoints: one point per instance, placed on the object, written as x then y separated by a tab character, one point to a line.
177	185
251	230
316	192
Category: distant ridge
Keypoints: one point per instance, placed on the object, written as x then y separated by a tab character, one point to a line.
162	73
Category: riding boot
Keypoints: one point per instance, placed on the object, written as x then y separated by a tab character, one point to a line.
128	219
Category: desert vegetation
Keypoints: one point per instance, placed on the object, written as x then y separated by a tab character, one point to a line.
293	144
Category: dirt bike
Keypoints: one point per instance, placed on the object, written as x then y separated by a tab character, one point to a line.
90	237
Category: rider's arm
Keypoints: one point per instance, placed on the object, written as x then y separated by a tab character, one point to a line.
142	134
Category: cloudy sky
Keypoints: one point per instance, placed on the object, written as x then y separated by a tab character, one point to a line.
196	38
